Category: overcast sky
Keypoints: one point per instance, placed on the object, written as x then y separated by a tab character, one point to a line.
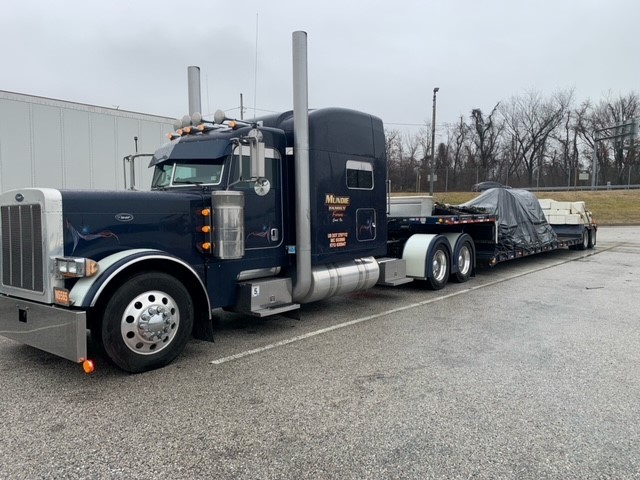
384	58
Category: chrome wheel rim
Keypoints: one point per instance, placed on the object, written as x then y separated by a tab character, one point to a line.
150	322
439	266
464	260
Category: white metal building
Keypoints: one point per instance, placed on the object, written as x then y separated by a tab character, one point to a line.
54	143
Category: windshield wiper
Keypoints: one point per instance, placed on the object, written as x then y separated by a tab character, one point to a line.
186	182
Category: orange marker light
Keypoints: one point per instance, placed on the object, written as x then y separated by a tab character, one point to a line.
61	296
205	229
206	246
205	212
88	366
233	124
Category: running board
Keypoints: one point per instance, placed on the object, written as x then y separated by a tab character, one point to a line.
265	297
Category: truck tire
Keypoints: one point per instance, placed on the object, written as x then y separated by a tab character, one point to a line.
147	322
592	238
438	267
465	262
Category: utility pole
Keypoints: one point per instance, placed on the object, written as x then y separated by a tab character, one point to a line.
433	141
241	108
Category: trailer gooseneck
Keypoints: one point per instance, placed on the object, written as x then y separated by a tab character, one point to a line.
256	217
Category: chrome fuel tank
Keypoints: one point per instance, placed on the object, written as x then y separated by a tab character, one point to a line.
339	278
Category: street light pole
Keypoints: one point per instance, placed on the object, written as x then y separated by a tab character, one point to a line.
433	140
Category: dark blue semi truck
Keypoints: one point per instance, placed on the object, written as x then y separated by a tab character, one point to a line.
256	217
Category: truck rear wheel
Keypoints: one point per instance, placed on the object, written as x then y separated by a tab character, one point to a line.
147	322
438	267
465	263
592	238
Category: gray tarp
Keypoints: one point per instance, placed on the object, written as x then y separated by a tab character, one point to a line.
521	222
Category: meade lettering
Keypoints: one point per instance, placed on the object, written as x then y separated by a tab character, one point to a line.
331	199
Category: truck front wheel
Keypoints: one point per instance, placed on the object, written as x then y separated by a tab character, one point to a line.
147	322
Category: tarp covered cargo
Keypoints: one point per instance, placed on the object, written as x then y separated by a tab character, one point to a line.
521	221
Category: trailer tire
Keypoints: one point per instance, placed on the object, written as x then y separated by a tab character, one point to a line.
585	240
147	322
465	262
438	267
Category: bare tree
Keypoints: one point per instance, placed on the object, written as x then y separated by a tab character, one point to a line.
457	138
530	120
406	159
616	157
611	112
393	147
524	139
485	135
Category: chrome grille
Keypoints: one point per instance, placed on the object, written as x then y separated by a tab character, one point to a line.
22	247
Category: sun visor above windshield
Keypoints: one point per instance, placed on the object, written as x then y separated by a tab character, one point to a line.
191	148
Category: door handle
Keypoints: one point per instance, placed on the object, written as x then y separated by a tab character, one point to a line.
274	235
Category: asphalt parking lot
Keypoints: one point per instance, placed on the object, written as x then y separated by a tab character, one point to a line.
531	370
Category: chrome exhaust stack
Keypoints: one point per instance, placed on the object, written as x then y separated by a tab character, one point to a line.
193	85
301	152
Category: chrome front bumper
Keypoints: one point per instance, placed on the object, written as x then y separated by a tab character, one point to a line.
53	329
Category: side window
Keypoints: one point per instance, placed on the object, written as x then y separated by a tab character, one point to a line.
359	175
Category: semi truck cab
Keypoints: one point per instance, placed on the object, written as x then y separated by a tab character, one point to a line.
141	271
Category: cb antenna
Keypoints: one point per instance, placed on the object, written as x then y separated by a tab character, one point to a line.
255	73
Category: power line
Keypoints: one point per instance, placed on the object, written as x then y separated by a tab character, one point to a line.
407	124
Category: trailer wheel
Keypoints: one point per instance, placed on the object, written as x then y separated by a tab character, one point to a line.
585	240
592	238
438	267
465	263
147	322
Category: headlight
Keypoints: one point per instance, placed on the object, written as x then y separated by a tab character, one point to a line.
75	267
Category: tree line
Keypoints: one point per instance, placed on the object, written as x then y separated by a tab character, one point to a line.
529	141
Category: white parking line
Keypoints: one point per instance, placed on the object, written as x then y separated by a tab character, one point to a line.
298	338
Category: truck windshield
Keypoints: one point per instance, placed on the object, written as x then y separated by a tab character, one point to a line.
181	174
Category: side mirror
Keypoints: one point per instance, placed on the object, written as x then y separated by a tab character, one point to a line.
256	151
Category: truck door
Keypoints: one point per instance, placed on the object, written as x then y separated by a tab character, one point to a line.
263	229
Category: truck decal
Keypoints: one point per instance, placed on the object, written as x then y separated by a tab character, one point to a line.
337	206
76	235
338	240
